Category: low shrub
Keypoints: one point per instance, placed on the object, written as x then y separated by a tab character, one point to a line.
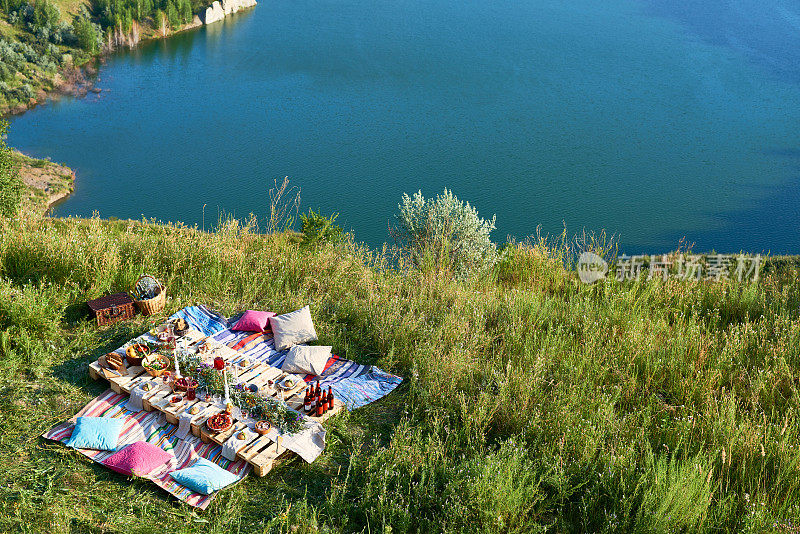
444	233
318	229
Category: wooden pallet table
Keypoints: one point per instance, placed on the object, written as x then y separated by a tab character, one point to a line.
261	452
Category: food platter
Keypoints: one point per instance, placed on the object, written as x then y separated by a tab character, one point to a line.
219	422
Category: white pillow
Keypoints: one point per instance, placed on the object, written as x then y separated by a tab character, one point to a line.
293	328
306	360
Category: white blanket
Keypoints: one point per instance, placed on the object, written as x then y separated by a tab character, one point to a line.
135	401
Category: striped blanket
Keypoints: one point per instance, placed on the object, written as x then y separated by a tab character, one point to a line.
354	384
153	428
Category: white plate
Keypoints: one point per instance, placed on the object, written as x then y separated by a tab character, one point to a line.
283	385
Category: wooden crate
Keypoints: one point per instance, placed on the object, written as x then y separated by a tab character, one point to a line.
261	452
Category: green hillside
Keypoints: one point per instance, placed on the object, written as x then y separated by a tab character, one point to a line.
531	402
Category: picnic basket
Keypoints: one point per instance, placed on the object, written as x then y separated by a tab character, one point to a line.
147	304
112	308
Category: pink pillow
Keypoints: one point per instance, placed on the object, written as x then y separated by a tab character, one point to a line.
139	459
253	321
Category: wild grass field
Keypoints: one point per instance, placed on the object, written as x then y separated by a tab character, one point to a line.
530	403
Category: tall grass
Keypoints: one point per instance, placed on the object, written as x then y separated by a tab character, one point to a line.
531	402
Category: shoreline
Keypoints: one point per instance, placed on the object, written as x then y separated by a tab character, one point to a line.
46	183
74	80
79	80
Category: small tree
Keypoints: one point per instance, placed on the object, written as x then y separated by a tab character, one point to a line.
11	185
88	35
318	229
173	16
444	233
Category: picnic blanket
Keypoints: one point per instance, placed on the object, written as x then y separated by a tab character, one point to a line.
153	428
354	384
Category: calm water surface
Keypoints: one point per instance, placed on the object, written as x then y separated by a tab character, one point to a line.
654	120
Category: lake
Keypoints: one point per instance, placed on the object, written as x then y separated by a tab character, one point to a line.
652	120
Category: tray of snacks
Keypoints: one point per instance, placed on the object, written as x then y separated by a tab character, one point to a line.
219	422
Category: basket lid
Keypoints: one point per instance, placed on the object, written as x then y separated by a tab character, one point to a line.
116	299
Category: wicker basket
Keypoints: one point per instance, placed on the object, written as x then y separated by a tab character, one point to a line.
112	308
155	304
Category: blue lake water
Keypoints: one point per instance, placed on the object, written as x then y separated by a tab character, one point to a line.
653	120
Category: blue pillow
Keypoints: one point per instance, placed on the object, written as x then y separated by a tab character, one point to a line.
99	433
204	477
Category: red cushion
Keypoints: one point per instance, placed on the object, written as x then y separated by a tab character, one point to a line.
139	458
253	321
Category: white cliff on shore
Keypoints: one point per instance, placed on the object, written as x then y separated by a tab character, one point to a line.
219	10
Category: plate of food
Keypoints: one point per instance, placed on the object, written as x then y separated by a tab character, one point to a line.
180	327
290	382
219	422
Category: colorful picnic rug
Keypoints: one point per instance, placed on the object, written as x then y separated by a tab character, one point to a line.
153	428
354	384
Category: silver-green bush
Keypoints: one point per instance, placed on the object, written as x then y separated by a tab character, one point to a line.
444	233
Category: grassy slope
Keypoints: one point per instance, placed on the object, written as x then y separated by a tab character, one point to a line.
530	401
70	7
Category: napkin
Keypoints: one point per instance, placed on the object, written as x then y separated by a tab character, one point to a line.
234	444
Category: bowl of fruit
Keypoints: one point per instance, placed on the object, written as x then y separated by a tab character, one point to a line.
183	383
220	422
136	353
156	364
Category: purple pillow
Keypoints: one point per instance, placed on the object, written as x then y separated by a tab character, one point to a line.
253	321
139	459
